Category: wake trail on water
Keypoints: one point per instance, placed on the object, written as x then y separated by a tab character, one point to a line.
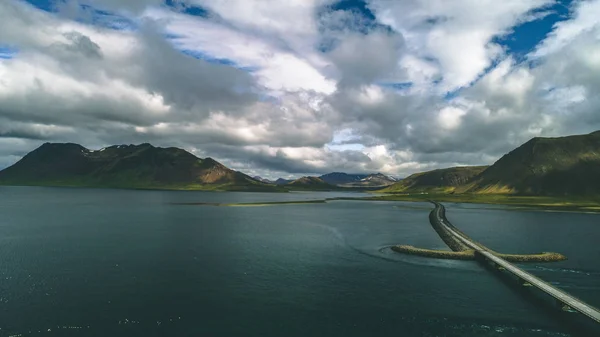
384	252
567	270
342	238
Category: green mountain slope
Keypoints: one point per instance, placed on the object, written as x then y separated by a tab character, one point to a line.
125	166
546	166
310	183
442	180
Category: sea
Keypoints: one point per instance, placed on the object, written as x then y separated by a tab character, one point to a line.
101	262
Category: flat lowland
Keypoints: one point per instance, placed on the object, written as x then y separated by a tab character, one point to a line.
254	204
550	203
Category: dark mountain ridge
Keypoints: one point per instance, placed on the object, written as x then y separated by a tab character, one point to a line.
282	181
441	180
560	166
357	180
338	178
311	183
124	166
546	166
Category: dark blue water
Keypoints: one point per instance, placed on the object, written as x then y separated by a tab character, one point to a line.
79	262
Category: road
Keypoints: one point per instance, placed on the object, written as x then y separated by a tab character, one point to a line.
573	302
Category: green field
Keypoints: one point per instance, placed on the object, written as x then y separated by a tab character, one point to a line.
582	204
254	204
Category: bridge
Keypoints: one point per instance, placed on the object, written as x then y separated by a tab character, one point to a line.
566	299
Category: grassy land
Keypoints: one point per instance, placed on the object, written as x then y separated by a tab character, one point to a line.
254	204
438	254
461	251
589	204
470	255
518	202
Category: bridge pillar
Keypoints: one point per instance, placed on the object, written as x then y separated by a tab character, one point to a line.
525	283
564	307
479	257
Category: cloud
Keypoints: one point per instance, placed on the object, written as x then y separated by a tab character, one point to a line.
378	58
277	66
297	87
131	6
456	35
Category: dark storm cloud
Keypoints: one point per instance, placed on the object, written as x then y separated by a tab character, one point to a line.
187	82
349	161
363	59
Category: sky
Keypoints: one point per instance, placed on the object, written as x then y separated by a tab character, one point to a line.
300	87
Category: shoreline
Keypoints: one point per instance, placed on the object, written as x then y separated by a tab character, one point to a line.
514	203
252	204
583	209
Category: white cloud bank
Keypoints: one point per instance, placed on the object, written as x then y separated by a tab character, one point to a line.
293	87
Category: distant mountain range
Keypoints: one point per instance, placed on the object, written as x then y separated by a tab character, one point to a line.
358	180
147	167
282	181
310	183
125	166
563	166
542	166
338	179
266	181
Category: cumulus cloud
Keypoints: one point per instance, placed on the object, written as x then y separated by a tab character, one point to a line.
457	35
283	88
377	59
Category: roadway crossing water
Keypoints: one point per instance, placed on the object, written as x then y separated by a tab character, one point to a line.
565	298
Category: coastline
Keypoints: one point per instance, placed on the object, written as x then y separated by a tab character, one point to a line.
516	202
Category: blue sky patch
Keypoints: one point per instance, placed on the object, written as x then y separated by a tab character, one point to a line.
208	58
89	15
359	9
350	15
188	9
7	52
109	20
525	37
46	5
357	6
400	86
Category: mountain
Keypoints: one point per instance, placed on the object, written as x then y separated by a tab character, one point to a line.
442	180
310	183
373	180
357	180
282	181
264	180
125	166
546	166
339	178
